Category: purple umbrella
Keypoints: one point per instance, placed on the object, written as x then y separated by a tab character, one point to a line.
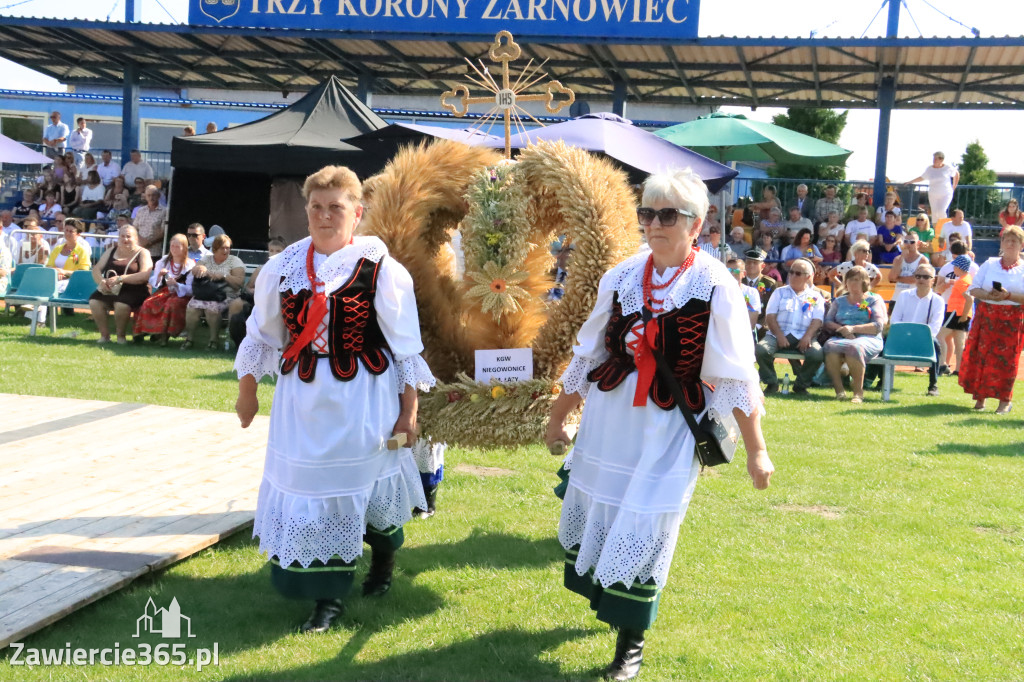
640	151
12	151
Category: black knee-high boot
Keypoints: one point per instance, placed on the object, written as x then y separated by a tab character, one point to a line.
382	566
629	654
324	613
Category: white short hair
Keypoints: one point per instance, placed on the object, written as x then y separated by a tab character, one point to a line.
684	188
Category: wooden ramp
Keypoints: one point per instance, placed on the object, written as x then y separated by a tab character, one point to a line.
95	494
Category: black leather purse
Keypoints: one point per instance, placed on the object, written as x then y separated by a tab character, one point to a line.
710	433
205	289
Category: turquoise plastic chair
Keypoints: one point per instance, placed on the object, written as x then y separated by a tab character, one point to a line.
38	286
909	341
19	272
79	289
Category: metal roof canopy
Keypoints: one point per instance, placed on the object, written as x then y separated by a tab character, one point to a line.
928	73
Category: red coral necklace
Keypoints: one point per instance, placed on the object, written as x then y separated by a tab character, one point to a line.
649	287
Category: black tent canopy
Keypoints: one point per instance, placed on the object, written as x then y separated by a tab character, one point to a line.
228	177
294	141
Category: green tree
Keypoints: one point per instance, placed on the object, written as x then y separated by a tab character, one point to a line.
979	205
824	124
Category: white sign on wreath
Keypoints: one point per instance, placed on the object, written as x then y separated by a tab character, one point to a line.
507	365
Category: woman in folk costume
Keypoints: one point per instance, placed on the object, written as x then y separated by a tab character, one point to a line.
633	468
340	316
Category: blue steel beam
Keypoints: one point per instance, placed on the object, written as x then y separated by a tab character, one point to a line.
886	102
129	111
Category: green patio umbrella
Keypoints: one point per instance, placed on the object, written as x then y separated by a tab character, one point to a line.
733	137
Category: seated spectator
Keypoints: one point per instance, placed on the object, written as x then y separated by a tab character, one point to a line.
891	205
163	313
91	194
89	164
70	255
750	294
831	226
70	165
6	267
108	168
753	264
956	248
923	306
711	219
905	266
117	198
58	169
219	267
772	256
121	276
802	248
69	193
49	183
861	228
803	203
860	256
773	227
240	308
853	211
957	225
769	200
1011	215
737	242
7	227
714	246
137	168
946	256
959	308
921	226
855	320
34	248
890	237
196	234
149	221
27	203
793	317
828	204
796	223
49	209
831	251
138	195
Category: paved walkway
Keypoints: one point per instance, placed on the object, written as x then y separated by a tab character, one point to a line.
95	494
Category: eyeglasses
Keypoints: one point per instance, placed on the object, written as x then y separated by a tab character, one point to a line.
909	241
922	276
666	216
193	234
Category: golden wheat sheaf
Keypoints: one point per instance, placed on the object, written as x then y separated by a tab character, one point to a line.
418	198
414	203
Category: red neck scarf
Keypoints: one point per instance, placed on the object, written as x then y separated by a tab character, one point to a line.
312	314
643	348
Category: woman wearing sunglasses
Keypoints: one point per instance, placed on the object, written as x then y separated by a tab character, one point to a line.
633	469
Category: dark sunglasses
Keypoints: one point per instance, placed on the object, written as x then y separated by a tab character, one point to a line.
922	276
666	216
193	234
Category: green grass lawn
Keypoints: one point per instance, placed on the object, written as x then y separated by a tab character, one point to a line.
889	547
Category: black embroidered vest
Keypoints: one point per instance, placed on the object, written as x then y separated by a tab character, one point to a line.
681	337
352	329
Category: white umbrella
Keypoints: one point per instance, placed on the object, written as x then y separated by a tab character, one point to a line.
12	151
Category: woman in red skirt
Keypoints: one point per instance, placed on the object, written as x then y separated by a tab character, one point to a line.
163	313
997	335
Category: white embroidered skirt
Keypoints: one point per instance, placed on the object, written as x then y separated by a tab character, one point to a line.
632	474
328	473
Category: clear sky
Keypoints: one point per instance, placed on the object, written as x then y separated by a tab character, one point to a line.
914	134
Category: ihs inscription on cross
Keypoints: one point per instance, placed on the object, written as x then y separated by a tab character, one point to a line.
506	98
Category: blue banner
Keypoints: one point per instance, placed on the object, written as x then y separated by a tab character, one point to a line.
608	19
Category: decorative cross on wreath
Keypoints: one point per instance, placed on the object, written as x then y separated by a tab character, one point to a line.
507	97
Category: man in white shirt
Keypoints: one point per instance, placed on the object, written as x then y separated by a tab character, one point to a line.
904	266
793	316
195	234
80	140
7	228
55	136
108	169
136	168
861	226
959	226
923	306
